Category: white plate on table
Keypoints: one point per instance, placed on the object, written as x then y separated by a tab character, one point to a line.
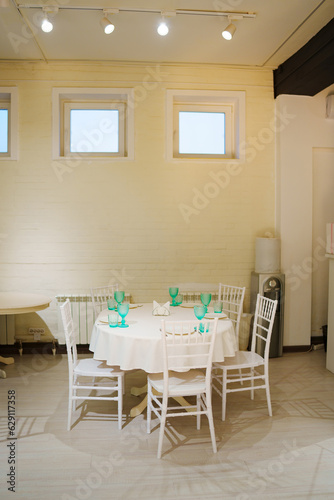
103	319
190	305
169	332
213	315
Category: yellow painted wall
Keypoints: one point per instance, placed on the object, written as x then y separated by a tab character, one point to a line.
104	219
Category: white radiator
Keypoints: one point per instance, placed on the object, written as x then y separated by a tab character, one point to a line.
82	313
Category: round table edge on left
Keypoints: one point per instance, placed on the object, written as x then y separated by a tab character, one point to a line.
20	303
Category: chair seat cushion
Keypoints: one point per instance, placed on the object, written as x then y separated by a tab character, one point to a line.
187	383
242	359
94	368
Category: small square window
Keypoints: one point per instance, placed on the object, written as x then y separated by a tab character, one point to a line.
4	134
205	124
92	123
8	123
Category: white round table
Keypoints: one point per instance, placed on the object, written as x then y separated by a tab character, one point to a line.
20	303
140	345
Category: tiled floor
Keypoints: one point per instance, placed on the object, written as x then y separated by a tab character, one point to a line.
288	456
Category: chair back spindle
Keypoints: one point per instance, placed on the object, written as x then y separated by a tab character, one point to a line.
100	297
232	298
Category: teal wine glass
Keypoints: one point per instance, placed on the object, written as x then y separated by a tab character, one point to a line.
200	312
206	299
173	292
123	310
119	297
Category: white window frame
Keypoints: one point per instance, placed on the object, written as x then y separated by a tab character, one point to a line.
9	101
230	102
65	99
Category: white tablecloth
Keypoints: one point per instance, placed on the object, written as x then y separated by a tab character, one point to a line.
140	345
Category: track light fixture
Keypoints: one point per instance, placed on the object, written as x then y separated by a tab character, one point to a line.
46	24
229	30
163	28
106	24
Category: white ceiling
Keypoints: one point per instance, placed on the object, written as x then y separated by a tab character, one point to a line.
280	28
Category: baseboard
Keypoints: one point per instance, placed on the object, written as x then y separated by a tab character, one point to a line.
40	347
81	349
318	339
296	348
28	348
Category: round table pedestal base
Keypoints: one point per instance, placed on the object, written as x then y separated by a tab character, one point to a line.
6	361
138	409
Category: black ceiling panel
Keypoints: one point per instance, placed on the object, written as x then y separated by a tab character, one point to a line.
309	70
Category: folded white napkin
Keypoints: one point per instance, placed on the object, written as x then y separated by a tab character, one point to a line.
159	310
